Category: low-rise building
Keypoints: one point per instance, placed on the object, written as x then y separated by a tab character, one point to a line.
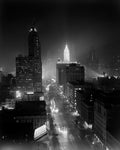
20	123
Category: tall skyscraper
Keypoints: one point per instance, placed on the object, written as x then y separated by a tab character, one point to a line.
32	108
67	71
29	68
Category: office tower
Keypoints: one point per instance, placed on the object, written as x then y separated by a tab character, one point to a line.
67	71
29	68
35	64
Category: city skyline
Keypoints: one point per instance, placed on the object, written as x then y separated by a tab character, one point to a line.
82	24
66	90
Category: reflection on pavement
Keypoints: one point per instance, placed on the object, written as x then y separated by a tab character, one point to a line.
67	135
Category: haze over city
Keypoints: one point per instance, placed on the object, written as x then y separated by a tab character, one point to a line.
59	75
82	24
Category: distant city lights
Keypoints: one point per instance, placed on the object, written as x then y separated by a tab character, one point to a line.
53	107
53	80
63	130
41	98
75	113
18	94
47	88
30	92
87	126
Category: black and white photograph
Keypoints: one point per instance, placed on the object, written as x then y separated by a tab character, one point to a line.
59	74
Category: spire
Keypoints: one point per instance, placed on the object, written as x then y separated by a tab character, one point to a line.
33	26
66	54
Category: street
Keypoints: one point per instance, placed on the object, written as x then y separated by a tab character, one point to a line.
65	132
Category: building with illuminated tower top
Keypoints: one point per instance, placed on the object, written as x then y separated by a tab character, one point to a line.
68	71
29	68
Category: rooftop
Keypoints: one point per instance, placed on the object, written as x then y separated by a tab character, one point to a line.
29	108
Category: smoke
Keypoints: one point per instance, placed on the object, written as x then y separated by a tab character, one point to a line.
90	74
49	60
48	68
49	64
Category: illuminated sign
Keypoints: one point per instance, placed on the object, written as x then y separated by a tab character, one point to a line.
39	132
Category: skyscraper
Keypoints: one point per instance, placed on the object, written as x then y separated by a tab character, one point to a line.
67	71
34	43
32	108
29	68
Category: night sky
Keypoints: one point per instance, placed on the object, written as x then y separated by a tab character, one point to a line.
82	24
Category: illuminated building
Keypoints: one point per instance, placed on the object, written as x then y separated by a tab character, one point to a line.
29	68
67	71
80	96
30	107
73	94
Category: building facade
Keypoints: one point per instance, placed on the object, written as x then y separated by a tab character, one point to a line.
29	68
106	119
81	97
73	91
69	72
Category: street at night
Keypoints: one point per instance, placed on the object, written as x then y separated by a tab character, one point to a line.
66	135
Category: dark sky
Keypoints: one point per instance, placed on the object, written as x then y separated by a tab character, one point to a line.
82	24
